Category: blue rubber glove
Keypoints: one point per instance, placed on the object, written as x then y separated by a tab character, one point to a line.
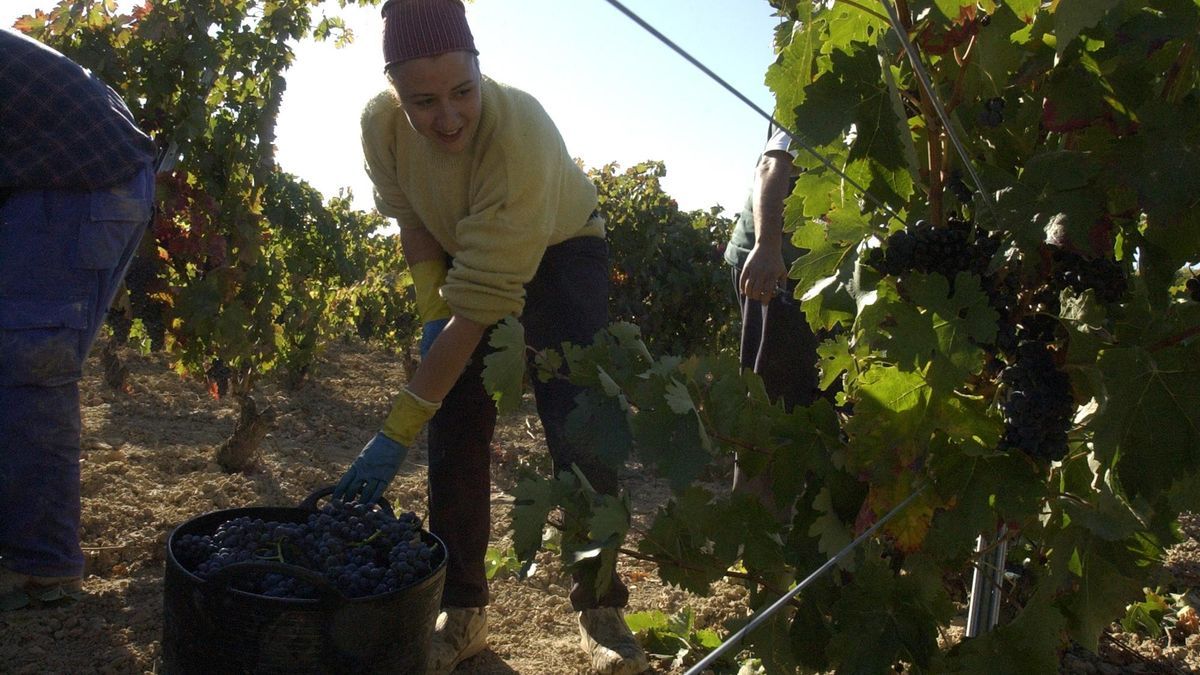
371	471
429	332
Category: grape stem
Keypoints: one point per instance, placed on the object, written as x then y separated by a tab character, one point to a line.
1175	339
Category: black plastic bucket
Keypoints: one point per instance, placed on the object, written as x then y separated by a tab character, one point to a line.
211	627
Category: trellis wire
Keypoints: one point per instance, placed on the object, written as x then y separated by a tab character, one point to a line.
775	606
744	99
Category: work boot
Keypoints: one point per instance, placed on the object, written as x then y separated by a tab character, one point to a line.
460	633
18	590
609	644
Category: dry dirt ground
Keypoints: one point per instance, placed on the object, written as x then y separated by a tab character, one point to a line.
148	466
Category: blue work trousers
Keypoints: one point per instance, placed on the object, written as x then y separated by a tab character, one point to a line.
62	256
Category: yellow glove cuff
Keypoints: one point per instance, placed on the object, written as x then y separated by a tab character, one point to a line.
409	413
428	277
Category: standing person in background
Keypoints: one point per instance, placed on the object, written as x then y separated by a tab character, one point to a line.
496	220
76	194
777	342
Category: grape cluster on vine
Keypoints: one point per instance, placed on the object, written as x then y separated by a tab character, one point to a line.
1036	397
992	114
360	550
1037	403
958	247
1103	275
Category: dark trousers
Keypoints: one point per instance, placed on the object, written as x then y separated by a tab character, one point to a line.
778	345
62	257
567	301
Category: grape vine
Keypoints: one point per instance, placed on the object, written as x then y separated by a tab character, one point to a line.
1022	349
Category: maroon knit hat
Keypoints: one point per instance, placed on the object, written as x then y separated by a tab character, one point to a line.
416	28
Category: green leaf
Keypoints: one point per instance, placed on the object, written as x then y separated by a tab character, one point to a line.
1150	425
1029	644
1025	10
640	622
832	534
834	359
609	520
533	500
985	491
1072	17
854	93
898	330
1101	593
883	617
675	444
678	538
961	321
798	44
952	9
504	368
1146	617
600	423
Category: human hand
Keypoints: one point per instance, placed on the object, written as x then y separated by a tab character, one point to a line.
429	332
371	471
763	274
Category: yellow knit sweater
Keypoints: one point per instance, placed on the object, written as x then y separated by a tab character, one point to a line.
494	207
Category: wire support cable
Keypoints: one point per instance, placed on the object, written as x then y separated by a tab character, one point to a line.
787	597
807	147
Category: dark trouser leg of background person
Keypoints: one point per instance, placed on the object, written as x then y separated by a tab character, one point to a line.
62	256
778	345
568	302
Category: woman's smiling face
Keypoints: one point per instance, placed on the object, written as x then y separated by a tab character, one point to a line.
441	98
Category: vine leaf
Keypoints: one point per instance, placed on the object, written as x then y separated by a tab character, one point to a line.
1075	16
1029	644
855	93
1024	9
504	368
1151	424
1103	592
534	499
908	527
886	617
832	534
679	540
600	422
676	444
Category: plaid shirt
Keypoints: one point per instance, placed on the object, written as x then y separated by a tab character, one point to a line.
60	126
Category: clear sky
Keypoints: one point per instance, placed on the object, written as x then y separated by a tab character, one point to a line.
616	93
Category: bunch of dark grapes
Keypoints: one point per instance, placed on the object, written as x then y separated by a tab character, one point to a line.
1193	289
1105	276
992	114
956	187
958	247
219	374
1037	403
360	550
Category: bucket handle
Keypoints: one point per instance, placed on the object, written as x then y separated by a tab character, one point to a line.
310	502
326	592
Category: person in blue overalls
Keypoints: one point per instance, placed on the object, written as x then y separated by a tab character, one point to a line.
76	194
